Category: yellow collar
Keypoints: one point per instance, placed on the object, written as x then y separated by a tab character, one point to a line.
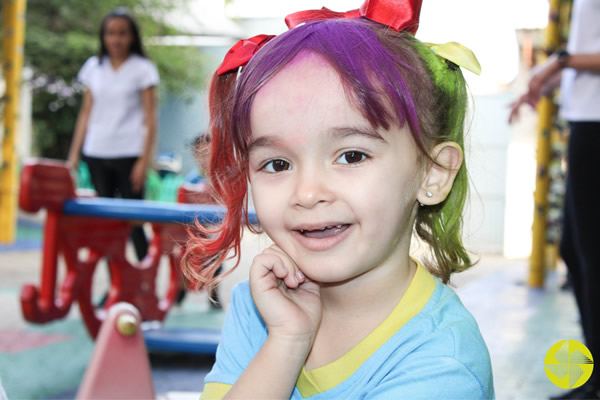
331	375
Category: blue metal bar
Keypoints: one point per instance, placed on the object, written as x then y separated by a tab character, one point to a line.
144	210
194	341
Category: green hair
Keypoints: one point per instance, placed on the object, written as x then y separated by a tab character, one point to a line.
440	225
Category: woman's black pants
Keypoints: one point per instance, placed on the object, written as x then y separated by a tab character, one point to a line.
110	177
580	244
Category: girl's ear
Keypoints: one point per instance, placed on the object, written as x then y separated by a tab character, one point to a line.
447	158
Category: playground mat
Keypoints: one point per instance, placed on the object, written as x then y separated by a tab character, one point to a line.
29	236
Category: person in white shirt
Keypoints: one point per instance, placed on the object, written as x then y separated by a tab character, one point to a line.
116	127
577	69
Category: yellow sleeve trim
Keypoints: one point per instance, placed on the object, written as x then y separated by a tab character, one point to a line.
331	375
214	391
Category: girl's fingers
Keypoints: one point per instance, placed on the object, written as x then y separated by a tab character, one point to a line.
285	273
270	263
276	250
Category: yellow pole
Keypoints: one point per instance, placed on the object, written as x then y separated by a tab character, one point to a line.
546	111
13	35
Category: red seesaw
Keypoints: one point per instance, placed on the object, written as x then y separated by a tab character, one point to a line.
102	226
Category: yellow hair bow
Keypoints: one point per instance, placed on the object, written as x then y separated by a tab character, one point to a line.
458	54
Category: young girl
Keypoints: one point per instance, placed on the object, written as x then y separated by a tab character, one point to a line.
350	132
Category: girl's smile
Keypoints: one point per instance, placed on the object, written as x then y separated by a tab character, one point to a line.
333	192
321	239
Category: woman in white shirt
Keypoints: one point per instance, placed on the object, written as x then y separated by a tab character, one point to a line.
116	127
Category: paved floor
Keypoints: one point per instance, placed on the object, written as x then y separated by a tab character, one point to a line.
518	323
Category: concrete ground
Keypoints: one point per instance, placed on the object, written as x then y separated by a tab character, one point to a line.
48	361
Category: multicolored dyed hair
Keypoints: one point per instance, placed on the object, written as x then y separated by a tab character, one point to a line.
390	76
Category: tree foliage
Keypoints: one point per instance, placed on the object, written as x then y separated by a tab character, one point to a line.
62	34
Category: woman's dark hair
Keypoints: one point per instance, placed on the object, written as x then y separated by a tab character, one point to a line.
136	43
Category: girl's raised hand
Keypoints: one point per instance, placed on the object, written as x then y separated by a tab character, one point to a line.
288	302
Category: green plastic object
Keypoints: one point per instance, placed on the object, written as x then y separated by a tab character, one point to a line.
84	178
156	189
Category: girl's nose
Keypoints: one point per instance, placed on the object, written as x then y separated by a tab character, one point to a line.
312	188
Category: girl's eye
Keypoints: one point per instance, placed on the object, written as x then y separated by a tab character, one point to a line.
276	166
352	157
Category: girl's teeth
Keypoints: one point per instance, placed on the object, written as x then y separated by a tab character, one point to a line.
322	229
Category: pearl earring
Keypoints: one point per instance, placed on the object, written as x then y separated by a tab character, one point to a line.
429	194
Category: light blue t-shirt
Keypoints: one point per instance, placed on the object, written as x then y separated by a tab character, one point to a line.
429	347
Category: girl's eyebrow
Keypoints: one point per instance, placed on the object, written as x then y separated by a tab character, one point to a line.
332	133
264	141
346	131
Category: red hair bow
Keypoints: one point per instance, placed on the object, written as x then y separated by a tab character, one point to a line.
242	52
399	15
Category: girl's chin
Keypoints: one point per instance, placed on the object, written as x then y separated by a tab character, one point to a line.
328	277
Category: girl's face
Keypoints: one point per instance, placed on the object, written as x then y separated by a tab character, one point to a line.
118	37
336	195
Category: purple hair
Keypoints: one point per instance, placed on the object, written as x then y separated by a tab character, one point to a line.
373	77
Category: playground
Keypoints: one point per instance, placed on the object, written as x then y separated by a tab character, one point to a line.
48	361
67	266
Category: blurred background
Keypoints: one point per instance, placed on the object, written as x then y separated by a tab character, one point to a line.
187	39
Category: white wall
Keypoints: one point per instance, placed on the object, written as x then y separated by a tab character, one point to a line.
486	156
